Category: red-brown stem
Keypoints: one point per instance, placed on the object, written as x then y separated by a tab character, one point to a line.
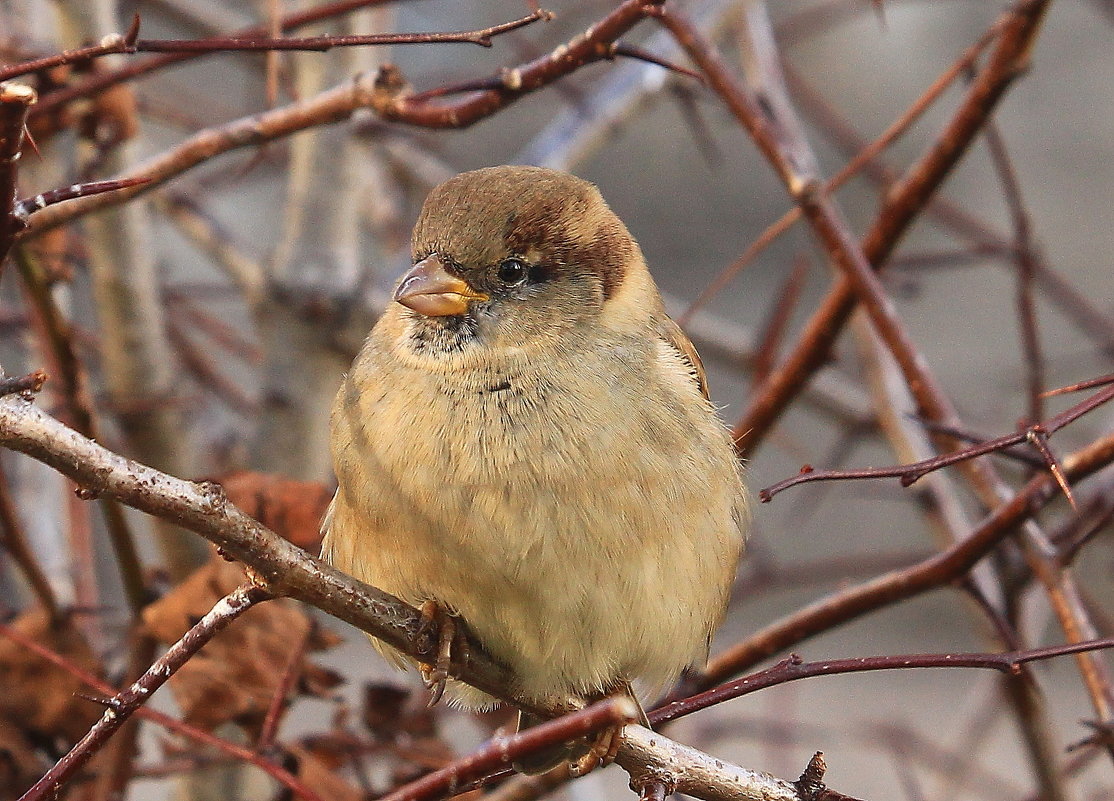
14	540
15	105
113	43
501	751
123	704
794	668
909	473
902	205
98	83
200	736
898	585
290	673
226	44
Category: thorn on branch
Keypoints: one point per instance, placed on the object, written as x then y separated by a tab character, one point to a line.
1081	385
811	782
30	383
1038	438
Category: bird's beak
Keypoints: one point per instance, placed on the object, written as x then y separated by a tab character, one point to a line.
429	289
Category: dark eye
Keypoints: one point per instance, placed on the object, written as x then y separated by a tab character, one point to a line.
512	271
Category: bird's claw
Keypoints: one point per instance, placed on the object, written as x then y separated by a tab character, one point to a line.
601	753
442	625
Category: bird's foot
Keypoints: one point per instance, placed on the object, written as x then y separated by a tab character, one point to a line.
604	747
601	752
443	626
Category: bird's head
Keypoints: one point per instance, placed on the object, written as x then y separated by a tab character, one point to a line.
511	255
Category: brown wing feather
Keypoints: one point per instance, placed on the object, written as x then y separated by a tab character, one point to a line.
672	333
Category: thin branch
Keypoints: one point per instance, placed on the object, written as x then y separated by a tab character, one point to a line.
15	104
910	473
1025	255
98	83
794	668
113	43
13	537
123	704
501	751
224	44
28	206
200	736
32	382
898	585
295	662
1101	381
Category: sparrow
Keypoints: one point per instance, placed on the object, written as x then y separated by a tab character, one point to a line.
525	443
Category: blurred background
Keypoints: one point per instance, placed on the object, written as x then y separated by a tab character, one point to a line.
212	321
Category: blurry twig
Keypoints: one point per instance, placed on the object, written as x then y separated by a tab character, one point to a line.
898	585
910	473
904	202
222	44
123	704
14	539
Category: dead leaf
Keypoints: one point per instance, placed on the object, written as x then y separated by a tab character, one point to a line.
292	509
316	774
20	764
234	677
38	697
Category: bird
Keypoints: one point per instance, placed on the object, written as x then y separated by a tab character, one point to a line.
525	443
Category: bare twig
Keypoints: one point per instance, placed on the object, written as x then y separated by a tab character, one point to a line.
32	382
794	668
200	736
898	585
222	44
910	473
15	104
14	540
113	43
98	83
123	704
28	206
502	751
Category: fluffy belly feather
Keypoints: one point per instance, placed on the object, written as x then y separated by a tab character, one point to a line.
567	562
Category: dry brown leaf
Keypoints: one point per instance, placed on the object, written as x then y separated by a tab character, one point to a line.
20	765
321	777
292	509
234	677
38	697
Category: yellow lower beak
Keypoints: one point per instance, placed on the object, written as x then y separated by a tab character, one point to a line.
429	289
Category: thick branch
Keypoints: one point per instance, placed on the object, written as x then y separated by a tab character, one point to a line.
204	509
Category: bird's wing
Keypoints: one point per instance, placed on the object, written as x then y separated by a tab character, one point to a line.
672	334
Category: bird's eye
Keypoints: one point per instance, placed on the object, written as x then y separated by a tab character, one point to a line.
512	271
